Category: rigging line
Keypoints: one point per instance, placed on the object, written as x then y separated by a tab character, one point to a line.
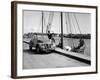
44	22
52	14
69	23
48	23
79	27
73	23
50	20
70	28
66	23
77	23
52	17
40	23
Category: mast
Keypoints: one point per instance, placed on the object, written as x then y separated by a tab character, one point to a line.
61	30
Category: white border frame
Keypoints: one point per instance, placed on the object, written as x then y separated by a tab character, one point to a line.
35	72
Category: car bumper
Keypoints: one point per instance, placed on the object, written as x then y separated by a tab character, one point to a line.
47	49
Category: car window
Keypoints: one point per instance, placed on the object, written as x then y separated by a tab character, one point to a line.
43	38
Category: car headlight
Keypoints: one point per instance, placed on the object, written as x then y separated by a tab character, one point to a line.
41	45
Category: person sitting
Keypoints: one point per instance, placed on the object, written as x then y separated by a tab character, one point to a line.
80	46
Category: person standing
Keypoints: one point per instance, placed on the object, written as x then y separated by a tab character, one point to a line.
49	36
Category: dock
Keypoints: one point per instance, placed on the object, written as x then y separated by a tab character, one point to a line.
77	56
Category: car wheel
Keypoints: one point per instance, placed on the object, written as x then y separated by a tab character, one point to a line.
38	50
30	47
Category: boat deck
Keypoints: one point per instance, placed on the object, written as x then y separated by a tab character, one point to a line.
78	56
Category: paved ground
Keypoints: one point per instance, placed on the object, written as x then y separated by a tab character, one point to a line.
32	60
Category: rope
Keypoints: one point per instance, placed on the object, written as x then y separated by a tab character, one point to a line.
50	21
66	23
40	23
69	23
77	23
70	27
73	24
78	27
44	21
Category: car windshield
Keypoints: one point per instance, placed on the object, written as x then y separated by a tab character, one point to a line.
43	38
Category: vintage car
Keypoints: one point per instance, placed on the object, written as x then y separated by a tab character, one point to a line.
41	43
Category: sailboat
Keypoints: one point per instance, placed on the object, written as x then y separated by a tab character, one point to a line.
49	25
80	47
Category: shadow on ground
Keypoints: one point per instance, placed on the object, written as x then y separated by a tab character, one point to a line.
27	51
74	57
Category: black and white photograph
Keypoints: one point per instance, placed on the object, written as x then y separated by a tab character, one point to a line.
56	39
53	39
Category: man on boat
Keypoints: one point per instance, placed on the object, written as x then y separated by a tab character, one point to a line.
80	46
51	38
49	35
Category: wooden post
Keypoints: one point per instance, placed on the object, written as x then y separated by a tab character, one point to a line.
61	30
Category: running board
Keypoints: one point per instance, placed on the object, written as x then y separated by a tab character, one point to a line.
26	42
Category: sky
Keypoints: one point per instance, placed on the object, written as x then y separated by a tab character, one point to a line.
72	22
